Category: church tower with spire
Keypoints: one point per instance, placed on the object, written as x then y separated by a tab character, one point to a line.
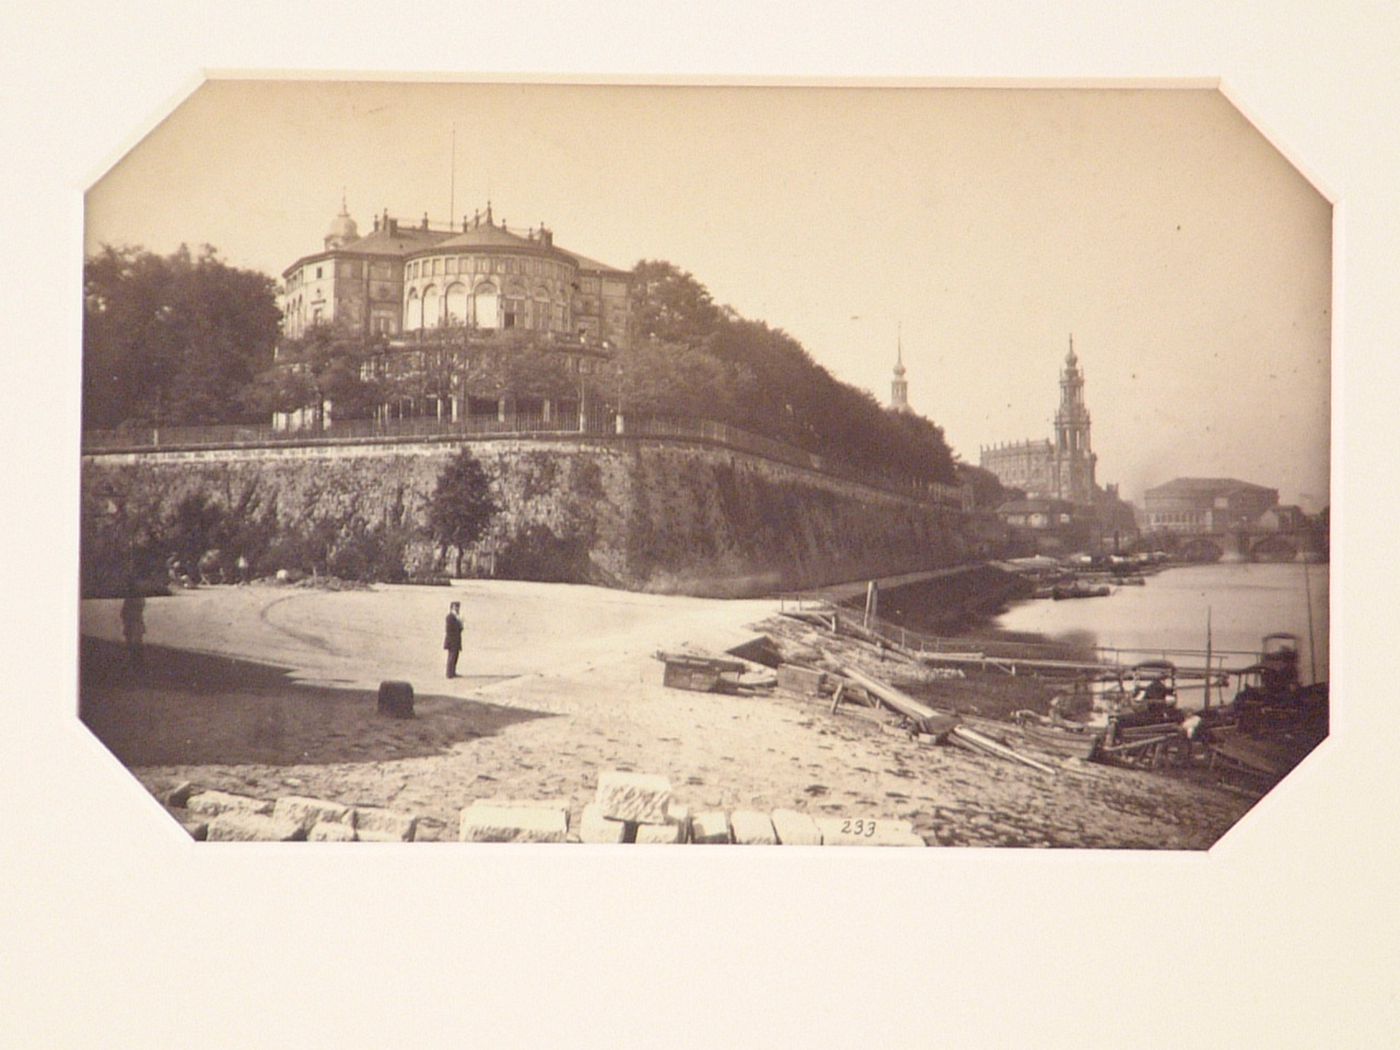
1063	467
899	387
1074	458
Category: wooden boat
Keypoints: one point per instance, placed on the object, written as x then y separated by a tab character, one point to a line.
1060	738
1080	590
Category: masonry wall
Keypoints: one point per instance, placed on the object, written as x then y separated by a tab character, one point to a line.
639	514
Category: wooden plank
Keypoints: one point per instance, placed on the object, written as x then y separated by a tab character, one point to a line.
972	738
1135	745
901	702
706	660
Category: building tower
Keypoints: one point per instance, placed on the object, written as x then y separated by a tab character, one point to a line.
343	229
1074	456
899	388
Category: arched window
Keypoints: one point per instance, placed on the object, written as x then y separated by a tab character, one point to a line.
486	306
540	312
432	307
457	303
413	313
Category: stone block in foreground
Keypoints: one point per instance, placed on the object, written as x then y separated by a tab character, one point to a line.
675	832
710	828
253	827
384	825
309	812
867	831
496	823
180	794
639	797
395	699
331	831
198	829
214	803
796	829
600	830
752	828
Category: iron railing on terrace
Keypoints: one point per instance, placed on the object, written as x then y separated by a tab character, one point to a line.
595	425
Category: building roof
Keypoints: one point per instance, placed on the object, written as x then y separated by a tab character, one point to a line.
392	240
382	242
488	235
1202	486
402	240
585	263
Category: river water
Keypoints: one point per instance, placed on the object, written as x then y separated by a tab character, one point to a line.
1246	600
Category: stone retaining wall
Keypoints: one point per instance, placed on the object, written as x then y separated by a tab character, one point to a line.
644	514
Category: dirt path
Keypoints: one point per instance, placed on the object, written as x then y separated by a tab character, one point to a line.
270	691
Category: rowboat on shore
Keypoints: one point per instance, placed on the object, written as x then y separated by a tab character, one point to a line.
1060	738
1080	590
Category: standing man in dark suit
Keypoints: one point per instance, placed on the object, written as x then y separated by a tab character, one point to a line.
452	641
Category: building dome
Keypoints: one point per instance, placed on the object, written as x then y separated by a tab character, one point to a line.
343	229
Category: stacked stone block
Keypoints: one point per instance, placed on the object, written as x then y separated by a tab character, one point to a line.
627	808
227	817
634	807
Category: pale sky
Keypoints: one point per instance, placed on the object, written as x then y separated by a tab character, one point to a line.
1186	255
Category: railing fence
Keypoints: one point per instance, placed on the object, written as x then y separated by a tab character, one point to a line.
598	424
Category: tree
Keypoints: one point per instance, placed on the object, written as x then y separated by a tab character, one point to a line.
172	339
326	366
988	493
671	305
462	506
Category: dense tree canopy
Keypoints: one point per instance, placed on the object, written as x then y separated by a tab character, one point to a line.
326	366
172	338
696	358
987	489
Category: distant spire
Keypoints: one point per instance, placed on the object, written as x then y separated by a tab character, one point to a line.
899	387
1070	359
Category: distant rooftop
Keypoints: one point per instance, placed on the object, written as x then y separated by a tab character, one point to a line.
395	238
1203	485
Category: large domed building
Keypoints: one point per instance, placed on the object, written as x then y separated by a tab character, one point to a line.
398	280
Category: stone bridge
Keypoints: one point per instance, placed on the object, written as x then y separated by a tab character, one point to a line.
1251	544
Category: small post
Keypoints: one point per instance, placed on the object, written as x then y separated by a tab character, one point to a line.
1206	703
872	598
1307	593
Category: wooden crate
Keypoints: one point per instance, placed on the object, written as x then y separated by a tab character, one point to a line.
803	681
695	675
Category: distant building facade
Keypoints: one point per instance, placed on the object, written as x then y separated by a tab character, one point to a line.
399	279
1199	505
1058	469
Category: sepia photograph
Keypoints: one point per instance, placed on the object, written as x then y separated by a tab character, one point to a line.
450	451
481	462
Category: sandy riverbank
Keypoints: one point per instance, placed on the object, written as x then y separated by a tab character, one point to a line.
270	691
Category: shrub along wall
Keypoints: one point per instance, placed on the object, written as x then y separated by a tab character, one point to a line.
642	514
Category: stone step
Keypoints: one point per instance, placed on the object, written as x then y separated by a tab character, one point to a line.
513	823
